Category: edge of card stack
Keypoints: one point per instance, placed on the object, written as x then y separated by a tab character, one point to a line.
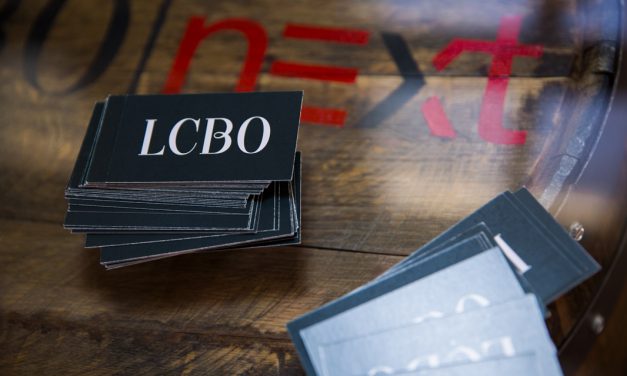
470	302
139	204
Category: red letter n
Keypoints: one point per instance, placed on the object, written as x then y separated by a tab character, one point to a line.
197	32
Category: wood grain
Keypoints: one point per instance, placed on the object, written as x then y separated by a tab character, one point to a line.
376	178
427	29
372	192
222	313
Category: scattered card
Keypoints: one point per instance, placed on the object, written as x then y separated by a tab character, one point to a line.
519	365
457	305
503	330
478	281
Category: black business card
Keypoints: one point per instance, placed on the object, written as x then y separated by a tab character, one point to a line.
549	260
195	138
272	226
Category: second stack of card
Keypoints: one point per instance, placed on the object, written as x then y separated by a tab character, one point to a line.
470	302
162	175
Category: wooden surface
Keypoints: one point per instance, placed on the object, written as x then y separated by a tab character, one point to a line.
207	314
375	187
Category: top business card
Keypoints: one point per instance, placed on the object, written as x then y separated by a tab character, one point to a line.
149	140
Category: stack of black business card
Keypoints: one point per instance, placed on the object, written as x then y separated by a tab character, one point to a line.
162	175
470	302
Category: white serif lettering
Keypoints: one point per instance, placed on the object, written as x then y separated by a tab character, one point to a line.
210	134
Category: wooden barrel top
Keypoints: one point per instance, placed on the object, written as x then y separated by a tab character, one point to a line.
416	113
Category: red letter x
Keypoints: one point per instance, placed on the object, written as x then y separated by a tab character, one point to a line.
503	49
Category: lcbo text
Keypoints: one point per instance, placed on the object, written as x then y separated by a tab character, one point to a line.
209	134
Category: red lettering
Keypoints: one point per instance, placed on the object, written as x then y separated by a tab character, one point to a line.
328	116
314	72
347	75
196	32
503	51
436	118
328	34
